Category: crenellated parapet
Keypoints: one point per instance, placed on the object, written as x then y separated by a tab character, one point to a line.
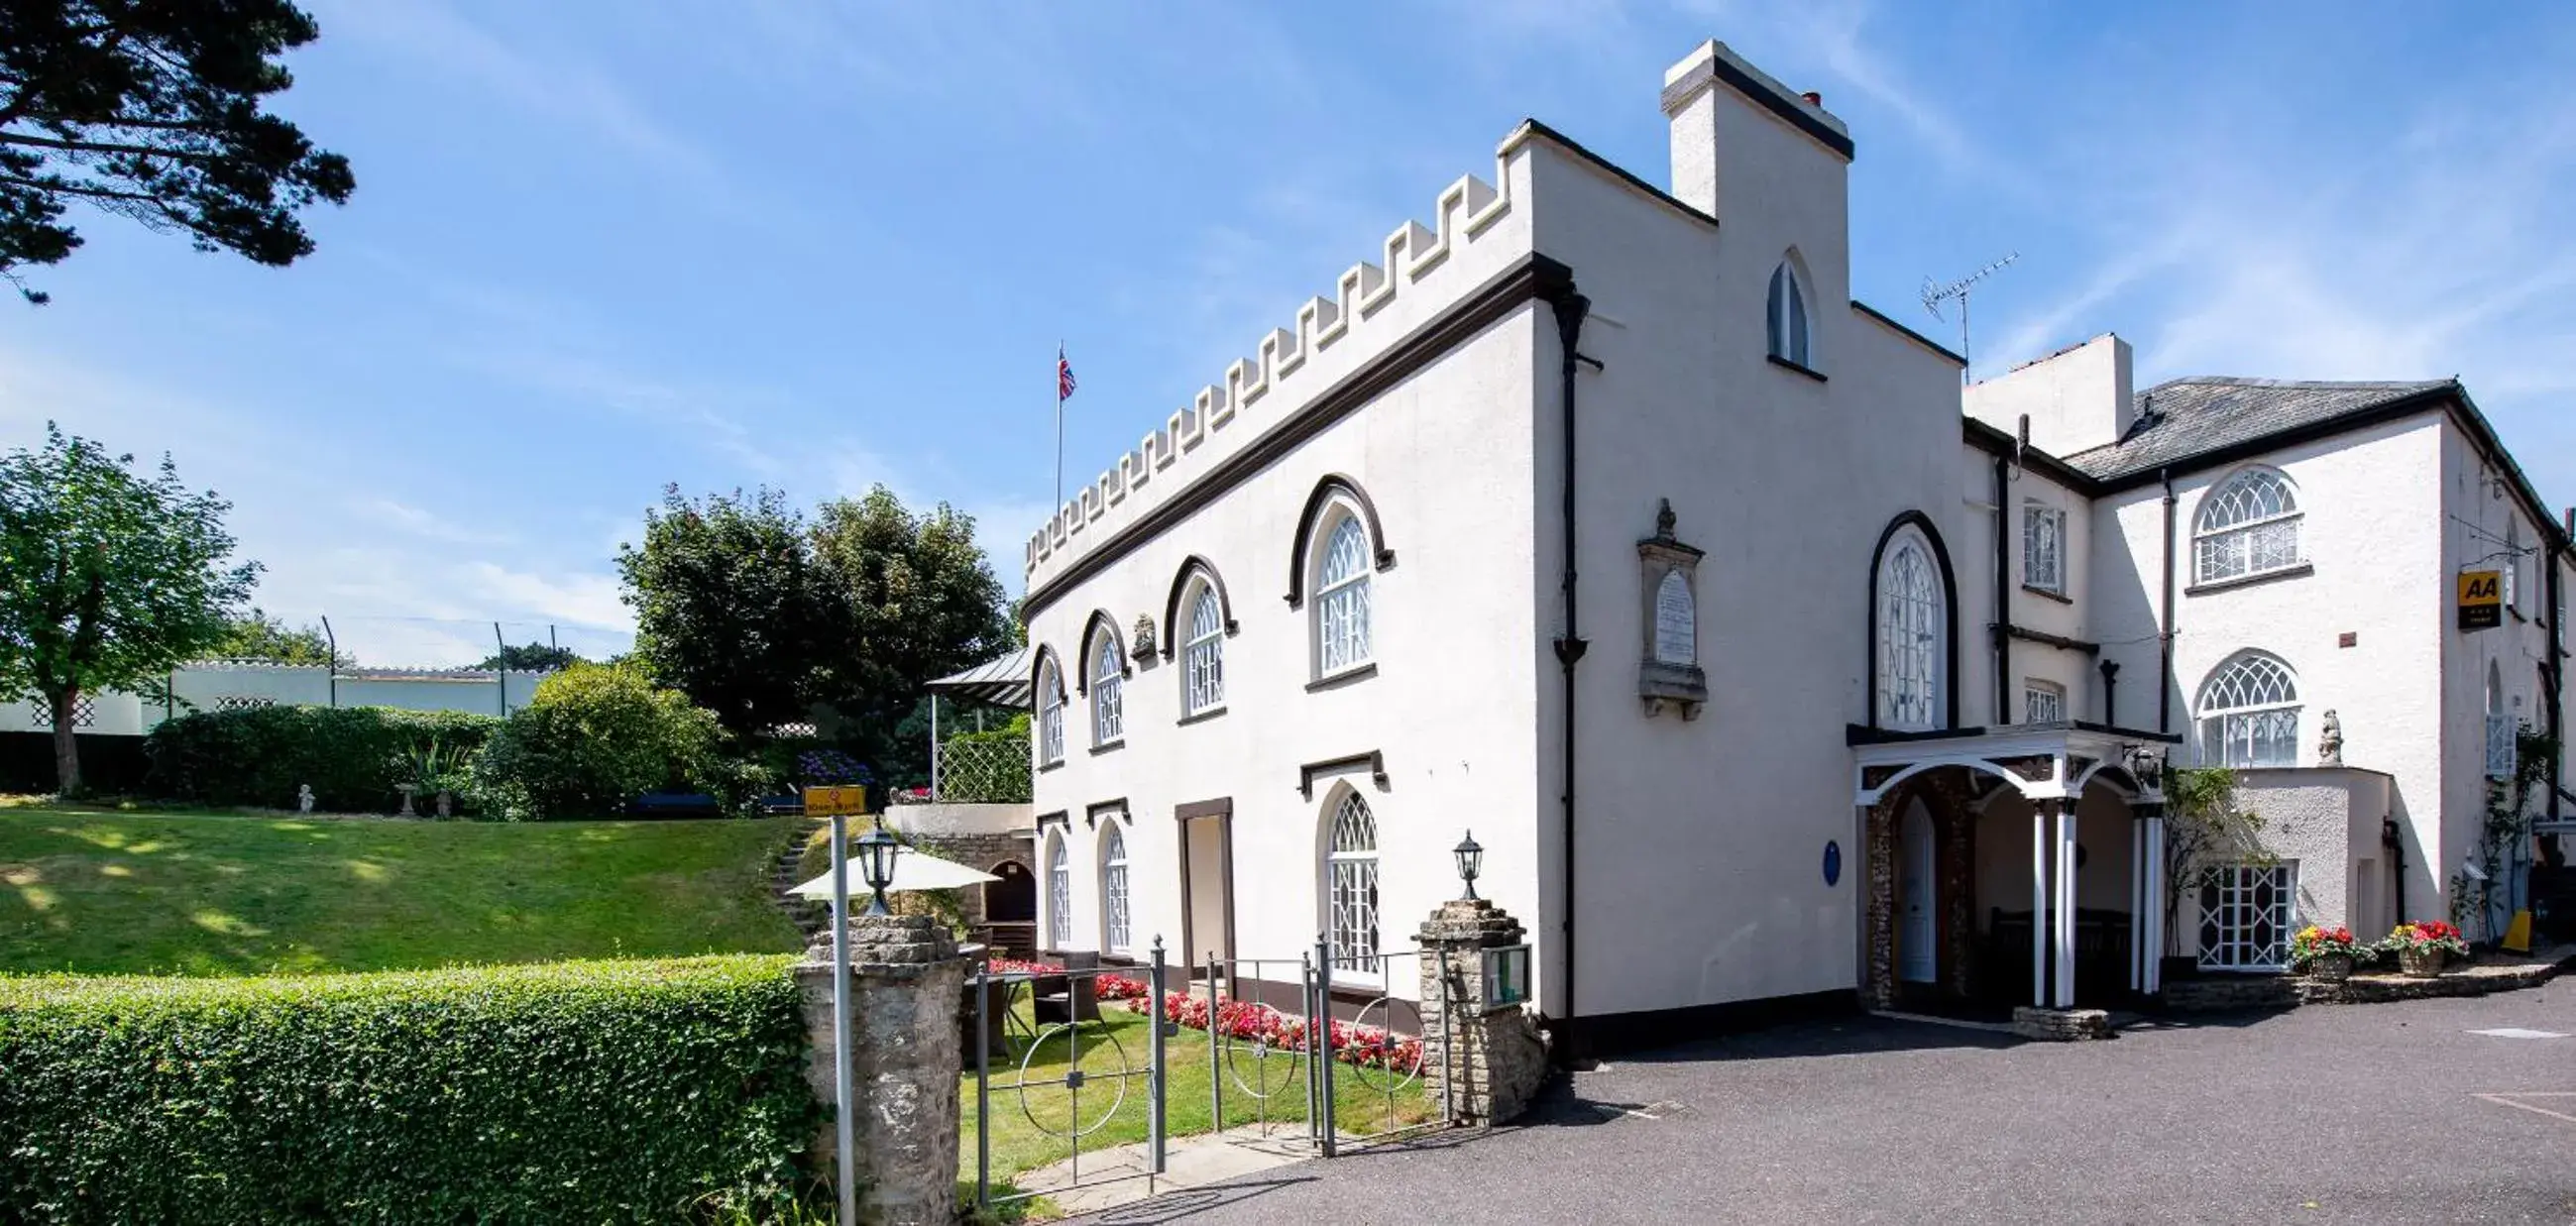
1417	262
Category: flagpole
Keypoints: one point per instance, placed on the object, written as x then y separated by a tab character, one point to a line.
1059	427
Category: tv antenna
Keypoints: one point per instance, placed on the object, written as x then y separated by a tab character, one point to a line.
1935	295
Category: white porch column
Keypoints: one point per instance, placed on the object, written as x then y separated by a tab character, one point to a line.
2137	908
2155	908
2039	896
2065	925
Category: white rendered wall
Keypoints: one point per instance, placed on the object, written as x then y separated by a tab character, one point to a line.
2328	821
2077	398
2373	534
1446	458
2482	515
1701	844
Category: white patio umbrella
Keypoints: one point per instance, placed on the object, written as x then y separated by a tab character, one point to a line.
913	870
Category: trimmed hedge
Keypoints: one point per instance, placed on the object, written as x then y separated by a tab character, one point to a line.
353	756
592	739
580	1091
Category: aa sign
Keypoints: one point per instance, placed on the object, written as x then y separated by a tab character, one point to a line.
2481	599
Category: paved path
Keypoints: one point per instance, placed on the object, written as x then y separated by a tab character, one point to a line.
2380	1113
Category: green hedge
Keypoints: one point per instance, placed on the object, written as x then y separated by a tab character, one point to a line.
575	1092
353	756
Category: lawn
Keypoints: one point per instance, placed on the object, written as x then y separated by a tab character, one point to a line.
110	892
1026	1136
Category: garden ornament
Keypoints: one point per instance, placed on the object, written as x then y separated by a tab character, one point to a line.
2330	741
303	798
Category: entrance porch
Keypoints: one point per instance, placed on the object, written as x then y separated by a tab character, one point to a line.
1982	844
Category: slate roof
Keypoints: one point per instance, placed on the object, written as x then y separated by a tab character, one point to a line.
2183	418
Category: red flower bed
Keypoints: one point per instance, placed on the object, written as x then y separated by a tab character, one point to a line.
1363	1046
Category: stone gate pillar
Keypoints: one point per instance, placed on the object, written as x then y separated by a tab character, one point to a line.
906	979
1482	1058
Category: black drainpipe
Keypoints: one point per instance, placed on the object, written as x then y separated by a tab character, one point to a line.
2164	637
2110	690
2395	841
2557	599
1571	307
2003	589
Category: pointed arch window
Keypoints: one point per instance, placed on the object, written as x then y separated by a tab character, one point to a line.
2247	526
1059	892
1787	317
1113	889
1342	576
1108	691
1913	635
1203	654
1050	712
2249	713
1350	888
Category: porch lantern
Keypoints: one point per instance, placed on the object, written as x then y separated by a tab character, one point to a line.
876	864
1471	857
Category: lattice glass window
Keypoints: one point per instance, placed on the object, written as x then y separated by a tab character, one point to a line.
1909	637
1050	715
243	702
2043	547
2249	713
1203	655
2247	913
2248	525
1059	893
2043	702
1113	888
1350	882
1342	600
1787	312
84	712
1108	692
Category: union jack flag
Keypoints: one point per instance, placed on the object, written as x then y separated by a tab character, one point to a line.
1063	377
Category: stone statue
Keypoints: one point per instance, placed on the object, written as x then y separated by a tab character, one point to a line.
303	798
2330	742
1142	644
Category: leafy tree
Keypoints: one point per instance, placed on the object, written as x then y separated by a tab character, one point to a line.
532	658
915	600
257	636
108	579
150	110
2204	828
592	739
729	606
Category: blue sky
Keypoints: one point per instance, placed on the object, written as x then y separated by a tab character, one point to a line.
598	248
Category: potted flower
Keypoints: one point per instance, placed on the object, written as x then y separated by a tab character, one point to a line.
2423	946
2323	953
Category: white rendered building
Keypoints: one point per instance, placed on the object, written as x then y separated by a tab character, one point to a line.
1596	517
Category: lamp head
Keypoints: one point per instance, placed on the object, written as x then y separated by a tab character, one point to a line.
1471	861
876	864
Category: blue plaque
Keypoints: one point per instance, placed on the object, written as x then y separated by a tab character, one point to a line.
1833	862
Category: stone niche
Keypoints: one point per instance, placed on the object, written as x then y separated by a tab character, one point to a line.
1668	672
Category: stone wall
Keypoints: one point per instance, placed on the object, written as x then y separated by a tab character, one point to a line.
904	1042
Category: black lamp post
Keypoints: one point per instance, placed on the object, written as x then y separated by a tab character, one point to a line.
876	864
1471	858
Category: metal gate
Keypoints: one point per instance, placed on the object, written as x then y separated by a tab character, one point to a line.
1283	1070
1063	1022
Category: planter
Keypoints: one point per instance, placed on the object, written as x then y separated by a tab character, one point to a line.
2330	968
2420	963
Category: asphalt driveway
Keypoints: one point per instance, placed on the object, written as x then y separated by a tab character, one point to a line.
2382	1113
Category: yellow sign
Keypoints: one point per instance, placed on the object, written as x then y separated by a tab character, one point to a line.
2481	599
826	802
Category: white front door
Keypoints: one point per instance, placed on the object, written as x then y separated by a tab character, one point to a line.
1915	960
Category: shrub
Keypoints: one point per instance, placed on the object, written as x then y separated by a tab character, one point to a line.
594	737
352	756
581	1091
